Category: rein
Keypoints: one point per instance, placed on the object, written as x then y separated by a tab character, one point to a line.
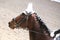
35	32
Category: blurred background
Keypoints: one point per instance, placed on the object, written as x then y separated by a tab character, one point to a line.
47	10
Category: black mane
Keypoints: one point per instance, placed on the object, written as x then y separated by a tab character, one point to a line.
42	25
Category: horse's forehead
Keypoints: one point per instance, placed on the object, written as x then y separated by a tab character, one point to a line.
33	14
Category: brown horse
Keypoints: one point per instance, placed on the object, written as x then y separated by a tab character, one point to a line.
37	29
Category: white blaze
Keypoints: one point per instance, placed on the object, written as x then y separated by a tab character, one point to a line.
29	8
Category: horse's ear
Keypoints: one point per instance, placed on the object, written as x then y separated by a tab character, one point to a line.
35	13
23	13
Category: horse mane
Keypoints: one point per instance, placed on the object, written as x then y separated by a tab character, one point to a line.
43	26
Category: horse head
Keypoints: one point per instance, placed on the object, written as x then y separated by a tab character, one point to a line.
29	19
23	20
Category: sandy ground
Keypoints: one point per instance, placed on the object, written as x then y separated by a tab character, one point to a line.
47	10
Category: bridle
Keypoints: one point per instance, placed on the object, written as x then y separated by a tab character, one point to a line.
22	20
25	19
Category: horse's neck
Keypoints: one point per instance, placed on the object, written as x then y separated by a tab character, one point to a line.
44	27
40	25
36	26
39	36
34	30
43	33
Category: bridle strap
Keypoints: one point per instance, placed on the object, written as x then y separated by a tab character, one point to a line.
21	21
34	31
24	19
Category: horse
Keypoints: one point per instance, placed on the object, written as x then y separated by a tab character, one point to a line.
29	20
37	28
